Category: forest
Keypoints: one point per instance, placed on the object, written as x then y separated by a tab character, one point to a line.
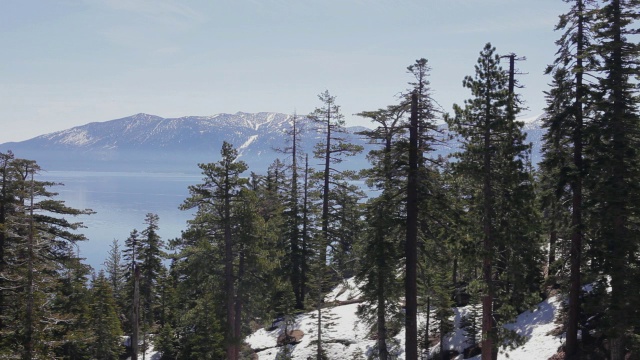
484	227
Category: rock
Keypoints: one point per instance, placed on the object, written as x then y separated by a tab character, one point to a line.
293	337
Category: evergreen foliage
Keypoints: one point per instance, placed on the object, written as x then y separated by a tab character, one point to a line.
494	159
331	151
38	267
614	149
116	272
107	341
267	246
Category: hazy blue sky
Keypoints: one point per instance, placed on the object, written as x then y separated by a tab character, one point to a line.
69	62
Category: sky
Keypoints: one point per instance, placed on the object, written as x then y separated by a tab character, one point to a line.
70	62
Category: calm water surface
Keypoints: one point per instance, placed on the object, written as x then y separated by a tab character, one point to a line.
121	201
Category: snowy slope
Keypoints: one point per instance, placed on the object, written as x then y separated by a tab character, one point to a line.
345	336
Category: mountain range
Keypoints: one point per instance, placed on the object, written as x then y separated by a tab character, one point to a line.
149	143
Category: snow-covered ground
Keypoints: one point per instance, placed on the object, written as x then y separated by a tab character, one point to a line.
149	354
345	336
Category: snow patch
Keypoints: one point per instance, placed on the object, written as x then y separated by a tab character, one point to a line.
347	290
532	122
246	144
76	137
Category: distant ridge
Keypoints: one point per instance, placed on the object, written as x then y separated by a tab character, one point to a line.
144	142
150	143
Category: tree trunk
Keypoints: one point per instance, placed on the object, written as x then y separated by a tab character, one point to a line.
305	219
411	339
575	254
238	308
442	357
619	296
5	158
553	240
488	325
135	317
325	230
296	260
381	320
228	273
319	308
325	202
28	344
426	325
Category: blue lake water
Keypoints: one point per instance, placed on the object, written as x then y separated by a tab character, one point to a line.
121	201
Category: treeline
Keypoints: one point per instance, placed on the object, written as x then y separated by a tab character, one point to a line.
492	231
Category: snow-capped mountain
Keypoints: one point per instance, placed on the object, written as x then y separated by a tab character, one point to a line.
143	131
144	142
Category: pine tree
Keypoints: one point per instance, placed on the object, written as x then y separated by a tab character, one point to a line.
555	168
37	242
107	342
295	258
411	236
228	259
294	218
198	267
439	220
330	151
617	158
426	107
419	205
308	220
213	198
566	112
494	159
6	208
116	272
166	341
380	253
131	254
72	304
150	257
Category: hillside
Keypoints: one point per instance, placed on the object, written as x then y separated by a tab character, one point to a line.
346	335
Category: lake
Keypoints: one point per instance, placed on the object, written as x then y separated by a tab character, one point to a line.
121	200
